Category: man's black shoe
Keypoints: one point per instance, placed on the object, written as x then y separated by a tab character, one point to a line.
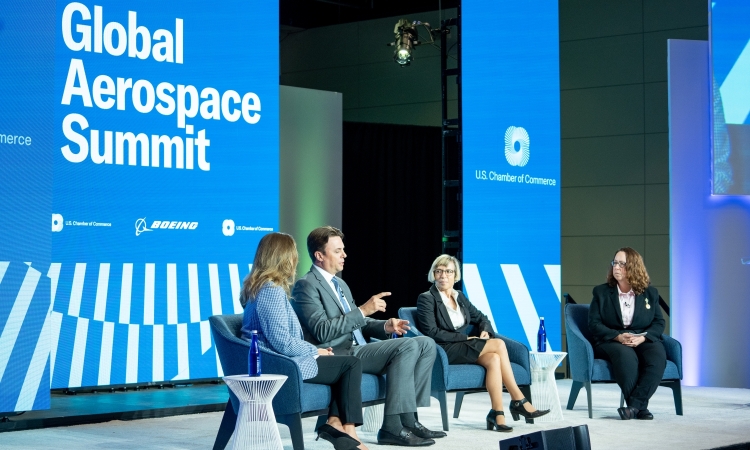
627	412
645	414
405	438
421	431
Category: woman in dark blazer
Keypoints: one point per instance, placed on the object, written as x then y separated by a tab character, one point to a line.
626	322
267	310
444	314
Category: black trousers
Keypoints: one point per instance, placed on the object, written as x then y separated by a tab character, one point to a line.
344	375
637	371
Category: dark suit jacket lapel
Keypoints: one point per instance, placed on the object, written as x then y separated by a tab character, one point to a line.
615	299
464	308
332	296
640	306
441	307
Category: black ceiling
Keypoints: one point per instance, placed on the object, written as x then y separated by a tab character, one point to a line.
319	13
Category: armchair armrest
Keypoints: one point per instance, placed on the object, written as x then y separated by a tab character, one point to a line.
674	351
289	398
580	353
440	370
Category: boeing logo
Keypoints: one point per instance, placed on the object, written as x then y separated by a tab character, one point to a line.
140	226
517	146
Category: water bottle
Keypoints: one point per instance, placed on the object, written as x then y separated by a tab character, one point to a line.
541	337
254	356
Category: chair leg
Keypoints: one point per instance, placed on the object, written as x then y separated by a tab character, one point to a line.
526	391
321	421
622	399
294	422
440	396
575	388
677	394
587	385
457	404
226	428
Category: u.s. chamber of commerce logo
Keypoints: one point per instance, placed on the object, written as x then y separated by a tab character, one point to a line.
517	157
142	227
228	227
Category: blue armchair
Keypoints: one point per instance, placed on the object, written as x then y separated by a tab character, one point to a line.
467	378
584	369
294	401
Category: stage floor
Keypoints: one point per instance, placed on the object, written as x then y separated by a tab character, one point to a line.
713	418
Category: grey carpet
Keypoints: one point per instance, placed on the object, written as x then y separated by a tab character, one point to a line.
713	418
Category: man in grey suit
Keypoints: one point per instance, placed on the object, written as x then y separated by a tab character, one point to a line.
329	317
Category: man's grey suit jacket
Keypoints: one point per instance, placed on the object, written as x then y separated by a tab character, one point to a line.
322	317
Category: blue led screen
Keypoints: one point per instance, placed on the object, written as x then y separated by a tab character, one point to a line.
158	130
511	165
730	58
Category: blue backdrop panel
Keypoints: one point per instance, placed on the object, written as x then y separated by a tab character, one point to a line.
511	163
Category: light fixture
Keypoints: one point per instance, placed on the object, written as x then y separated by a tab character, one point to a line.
406	39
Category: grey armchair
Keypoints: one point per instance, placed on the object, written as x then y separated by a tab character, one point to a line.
585	369
467	378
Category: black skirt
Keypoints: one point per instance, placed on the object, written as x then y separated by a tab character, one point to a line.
465	352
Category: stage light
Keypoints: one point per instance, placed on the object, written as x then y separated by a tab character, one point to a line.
406	39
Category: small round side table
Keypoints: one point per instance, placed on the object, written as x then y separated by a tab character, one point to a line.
256	427
544	393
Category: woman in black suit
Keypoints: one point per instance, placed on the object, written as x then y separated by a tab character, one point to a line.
626	322
444	314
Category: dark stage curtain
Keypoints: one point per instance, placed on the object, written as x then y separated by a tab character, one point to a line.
391	210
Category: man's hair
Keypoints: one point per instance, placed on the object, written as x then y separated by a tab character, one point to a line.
636	271
318	238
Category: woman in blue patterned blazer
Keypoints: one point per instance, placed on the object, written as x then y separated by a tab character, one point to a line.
267	310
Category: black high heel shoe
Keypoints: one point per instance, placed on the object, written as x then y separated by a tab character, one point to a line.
492	422
517	409
339	439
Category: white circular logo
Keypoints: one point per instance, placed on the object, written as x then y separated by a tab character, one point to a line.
518	157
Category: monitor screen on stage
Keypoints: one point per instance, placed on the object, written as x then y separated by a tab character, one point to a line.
159	138
510	110
730	60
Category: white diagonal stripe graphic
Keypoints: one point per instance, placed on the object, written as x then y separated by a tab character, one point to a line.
55	339
157	366
76	292
735	92
213	281
172	294
148	294
75	376
205	336
126	292
193	293
475	291
100	307
131	372
183	365
17	316
54	276
3	267
522	299
234	281
36	367
553	272
105	356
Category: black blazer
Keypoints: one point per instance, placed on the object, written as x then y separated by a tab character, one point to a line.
434	321
605	315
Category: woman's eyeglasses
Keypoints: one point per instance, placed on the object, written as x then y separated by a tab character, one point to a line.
618	263
439	272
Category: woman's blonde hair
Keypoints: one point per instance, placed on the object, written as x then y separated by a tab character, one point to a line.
444	260
275	261
636	270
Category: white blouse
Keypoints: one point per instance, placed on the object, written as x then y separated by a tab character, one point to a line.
457	318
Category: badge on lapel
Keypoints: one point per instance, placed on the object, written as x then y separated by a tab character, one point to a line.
647	305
